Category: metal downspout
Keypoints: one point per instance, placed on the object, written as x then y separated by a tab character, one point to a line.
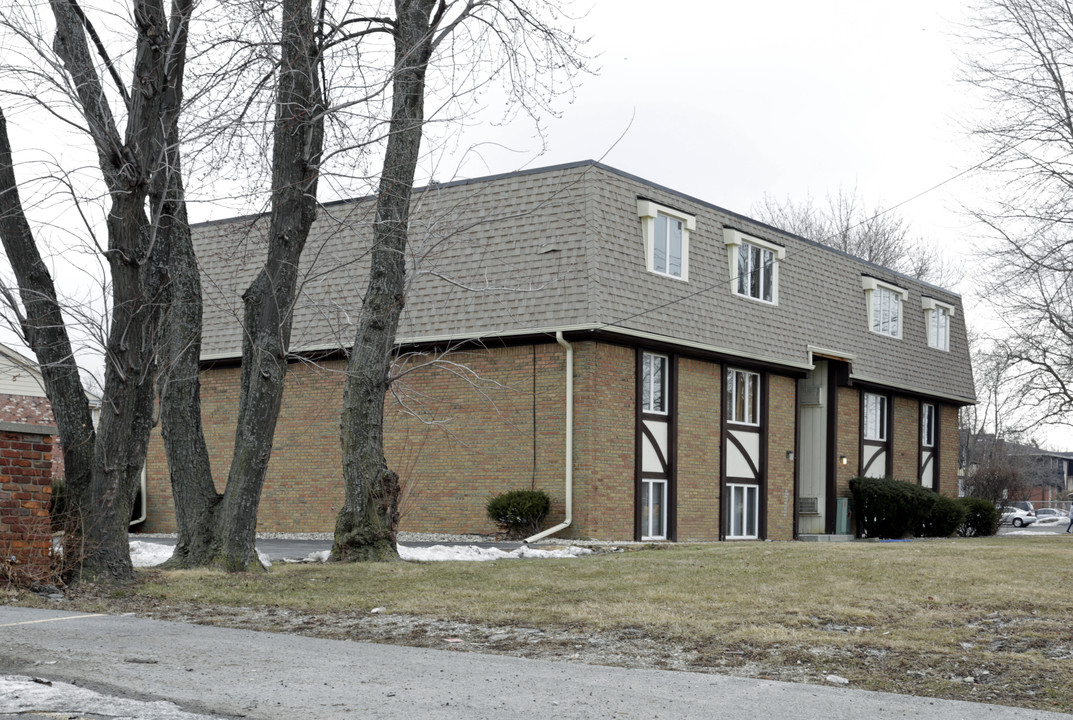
569	444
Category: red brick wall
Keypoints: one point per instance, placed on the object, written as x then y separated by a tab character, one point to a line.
906	428
25	477
32	411
700	392
782	434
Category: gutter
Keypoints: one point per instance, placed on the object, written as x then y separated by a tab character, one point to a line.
569	473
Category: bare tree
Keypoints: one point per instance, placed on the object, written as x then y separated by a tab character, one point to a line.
874	234
138	167
531	51
1022	55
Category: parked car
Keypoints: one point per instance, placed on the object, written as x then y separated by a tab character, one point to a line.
1021	505
1050	513
1017	517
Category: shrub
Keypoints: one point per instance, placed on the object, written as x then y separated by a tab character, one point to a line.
946	517
981	517
519	513
888	508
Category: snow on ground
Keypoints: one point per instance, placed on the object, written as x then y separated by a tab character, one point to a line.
20	694
147	554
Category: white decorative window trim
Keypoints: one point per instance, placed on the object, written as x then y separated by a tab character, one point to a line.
648	211
932	307
870	285
734	239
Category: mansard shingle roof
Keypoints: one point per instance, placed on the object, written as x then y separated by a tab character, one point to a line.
561	248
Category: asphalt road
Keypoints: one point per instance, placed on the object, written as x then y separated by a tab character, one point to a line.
221	672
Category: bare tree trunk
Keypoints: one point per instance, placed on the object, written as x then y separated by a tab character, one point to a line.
104	467
298	139
44	330
368	521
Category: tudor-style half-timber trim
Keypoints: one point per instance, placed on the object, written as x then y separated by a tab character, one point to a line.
876	434
743	487
928	473
655	486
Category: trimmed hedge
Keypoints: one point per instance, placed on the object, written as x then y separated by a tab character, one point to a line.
519	513
889	508
981	517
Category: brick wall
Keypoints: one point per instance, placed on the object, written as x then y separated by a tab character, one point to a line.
32	410
25	477
782	435
906	429
849	439
455	440
700	386
605	397
948	450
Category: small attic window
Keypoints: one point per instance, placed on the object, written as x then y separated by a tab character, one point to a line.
666	238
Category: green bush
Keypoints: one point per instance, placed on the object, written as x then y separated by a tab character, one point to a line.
519	513
981	517
946	517
888	508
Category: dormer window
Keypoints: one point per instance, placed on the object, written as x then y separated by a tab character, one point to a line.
666	235
754	266
937	320
884	302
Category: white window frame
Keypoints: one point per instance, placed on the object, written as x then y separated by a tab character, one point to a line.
652	485
649	212
877	431
736	243
927	425
737	522
937	317
877	293
752	389
647	387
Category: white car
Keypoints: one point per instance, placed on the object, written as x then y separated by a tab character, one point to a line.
1018	517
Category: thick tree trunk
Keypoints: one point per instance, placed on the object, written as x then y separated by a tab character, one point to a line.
298	138
103	467
367	523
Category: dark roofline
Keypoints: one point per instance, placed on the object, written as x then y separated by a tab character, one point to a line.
629	176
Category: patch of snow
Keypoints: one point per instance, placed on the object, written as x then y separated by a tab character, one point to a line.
837	680
23	694
472	553
148	554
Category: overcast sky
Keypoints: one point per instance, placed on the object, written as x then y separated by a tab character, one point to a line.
729	101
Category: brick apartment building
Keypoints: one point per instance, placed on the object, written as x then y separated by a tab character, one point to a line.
728	378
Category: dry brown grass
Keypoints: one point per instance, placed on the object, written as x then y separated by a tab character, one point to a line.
918	617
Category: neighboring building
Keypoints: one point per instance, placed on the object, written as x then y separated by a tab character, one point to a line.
23	400
1048	474
728	378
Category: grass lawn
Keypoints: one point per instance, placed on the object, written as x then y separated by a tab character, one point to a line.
987	620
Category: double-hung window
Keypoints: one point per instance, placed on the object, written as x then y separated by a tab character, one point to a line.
875	417
754	266
666	238
654	383
743	394
885	303
937	319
